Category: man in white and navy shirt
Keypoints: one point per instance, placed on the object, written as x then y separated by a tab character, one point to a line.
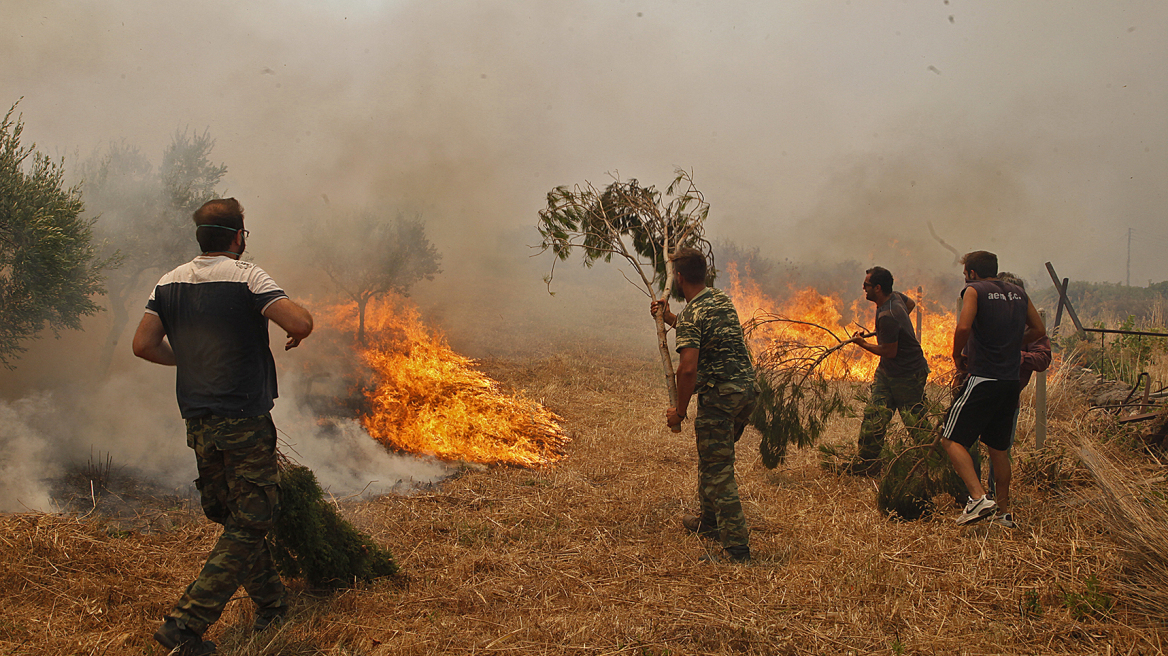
209	318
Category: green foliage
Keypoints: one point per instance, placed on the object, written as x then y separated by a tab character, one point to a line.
188	176
795	399
629	221
313	542
792	410
915	473
1104	299
1091	602
1116	356
49	267
146	213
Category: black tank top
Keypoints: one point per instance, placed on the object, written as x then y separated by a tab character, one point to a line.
995	346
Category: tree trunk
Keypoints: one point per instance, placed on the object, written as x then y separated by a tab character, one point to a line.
361	303
119	297
663	344
120	317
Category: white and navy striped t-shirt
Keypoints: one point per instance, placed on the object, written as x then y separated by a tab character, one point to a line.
212	310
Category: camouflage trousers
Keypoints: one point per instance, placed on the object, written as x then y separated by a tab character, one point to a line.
723	413
889	395
239	488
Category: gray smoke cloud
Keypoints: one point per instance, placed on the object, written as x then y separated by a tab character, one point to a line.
819	131
1032	128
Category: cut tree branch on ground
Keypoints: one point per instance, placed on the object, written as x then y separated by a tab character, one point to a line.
796	398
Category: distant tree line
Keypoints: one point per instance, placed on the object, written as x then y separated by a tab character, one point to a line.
1109	302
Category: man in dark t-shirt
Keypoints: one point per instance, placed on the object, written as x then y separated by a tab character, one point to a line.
209	318
996	319
899	382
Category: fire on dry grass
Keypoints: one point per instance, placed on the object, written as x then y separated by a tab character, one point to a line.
586	557
424	398
814	319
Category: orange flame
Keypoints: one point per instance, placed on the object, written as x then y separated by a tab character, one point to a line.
427	399
830	327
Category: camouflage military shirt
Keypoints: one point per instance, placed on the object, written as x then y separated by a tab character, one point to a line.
710	324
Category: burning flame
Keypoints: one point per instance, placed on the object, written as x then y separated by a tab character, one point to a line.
823	324
427	399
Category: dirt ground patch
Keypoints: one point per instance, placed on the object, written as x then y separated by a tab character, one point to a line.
588	557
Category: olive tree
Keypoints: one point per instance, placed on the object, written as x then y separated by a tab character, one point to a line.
367	254
143	215
49	266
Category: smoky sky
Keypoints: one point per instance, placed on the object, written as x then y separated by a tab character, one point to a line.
817	130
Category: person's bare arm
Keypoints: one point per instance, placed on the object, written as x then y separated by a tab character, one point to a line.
687	377
150	341
964	327
909	304
883	350
295	320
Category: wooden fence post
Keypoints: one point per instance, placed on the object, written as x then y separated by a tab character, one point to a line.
1040	405
920	297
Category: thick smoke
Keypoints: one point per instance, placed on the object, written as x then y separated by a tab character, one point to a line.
821	133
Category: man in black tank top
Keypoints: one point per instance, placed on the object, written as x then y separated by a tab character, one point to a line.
996	319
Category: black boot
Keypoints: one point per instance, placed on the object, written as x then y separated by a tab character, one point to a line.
181	640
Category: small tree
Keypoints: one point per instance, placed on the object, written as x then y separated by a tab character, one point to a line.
634	223
49	266
366	255
143	215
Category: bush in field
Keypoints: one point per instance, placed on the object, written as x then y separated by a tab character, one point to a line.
1118	357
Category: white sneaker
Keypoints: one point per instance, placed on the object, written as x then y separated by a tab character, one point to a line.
977	509
1005	519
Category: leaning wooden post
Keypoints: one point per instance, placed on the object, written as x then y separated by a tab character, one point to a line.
1040	409
1059	314
1065	301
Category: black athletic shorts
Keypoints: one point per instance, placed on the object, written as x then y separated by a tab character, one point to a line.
984	408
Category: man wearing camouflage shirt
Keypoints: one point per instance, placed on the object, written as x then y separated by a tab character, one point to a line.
715	364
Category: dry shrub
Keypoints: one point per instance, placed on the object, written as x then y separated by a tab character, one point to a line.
1134	504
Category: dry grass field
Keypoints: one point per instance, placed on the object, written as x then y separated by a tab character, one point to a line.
588	556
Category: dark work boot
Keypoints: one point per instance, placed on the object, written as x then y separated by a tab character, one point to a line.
268	618
695	524
739	554
730	555
182	641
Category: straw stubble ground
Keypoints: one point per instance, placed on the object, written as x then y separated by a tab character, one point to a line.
588	557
